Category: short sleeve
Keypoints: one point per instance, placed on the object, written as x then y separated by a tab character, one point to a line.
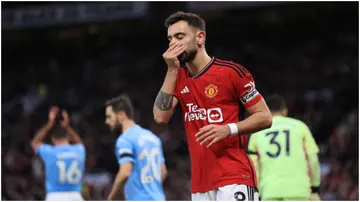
245	87
81	149
43	150
124	151
310	144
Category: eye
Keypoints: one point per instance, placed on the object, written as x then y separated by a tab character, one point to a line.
180	36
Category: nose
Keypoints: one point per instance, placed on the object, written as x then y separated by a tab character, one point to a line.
173	41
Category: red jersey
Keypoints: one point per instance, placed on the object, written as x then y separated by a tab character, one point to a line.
214	96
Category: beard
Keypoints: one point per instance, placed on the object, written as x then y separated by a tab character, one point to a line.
187	56
117	128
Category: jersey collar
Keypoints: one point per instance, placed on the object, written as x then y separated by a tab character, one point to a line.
205	69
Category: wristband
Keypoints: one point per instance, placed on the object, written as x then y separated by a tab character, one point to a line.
315	189
233	128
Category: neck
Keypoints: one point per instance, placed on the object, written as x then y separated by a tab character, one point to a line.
199	63
127	124
61	142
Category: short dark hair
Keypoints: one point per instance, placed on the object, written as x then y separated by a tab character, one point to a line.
58	132
192	19
121	103
276	103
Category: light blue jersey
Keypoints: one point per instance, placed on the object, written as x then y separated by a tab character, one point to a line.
144	150
64	166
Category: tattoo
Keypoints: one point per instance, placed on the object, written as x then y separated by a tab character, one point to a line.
164	101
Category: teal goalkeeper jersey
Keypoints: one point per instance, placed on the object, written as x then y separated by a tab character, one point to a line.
280	155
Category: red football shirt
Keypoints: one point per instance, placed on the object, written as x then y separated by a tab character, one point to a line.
214	96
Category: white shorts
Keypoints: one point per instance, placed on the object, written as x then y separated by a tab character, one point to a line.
64	196
233	192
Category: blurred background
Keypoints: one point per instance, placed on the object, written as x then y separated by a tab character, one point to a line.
77	55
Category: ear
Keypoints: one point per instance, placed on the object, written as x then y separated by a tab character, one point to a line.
121	115
200	37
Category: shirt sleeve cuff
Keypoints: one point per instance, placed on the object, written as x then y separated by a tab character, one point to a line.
125	160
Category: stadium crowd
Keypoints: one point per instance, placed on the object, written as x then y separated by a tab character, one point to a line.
307	55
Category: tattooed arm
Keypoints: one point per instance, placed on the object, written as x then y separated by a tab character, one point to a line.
165	102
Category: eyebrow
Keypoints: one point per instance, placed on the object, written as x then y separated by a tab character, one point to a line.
176	34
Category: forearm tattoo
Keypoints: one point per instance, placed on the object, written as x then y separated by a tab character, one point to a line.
164	101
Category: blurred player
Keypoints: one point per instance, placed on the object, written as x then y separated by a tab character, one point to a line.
210	92
285	157
139	153
64	162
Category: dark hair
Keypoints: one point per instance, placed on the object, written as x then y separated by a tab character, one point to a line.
58	132
191	18
276	103
121	103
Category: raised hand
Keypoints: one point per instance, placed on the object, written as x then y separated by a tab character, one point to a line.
172	53
66	120
52	114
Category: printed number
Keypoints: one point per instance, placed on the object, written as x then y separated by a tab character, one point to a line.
274	142
151	164
71	175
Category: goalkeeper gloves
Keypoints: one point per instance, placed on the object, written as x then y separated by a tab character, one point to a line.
315	194
315	197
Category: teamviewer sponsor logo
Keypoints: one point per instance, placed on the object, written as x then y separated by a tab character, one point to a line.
213	115
195	113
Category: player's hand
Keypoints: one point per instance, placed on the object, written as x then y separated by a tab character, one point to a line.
66	120
212	132
52	114
315	197
172	53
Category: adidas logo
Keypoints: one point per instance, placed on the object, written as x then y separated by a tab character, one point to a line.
185	90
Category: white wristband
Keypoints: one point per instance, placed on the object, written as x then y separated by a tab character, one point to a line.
233	128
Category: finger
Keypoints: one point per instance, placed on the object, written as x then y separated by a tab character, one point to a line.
53	111
173	46
205	135
199	133
64	113
202	130
207	127
179	52
215	140
174	43
170	54
176	50
56	109
210	137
